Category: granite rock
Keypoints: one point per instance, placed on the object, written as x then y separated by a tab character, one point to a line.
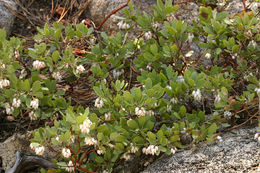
7	18
237	152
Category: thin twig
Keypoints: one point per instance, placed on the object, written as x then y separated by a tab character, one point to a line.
113	12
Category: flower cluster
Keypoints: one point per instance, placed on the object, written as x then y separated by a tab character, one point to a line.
257	90
66	152
140	111
9	109
70	167
134	149
257	137
90	141
197	95
174	100
16	103
100	151
173	150
32	116
38	64
116	73
107	116
123	25
56	75
38	149
99	103
148	35
34	104
151	149
217	98
4	83
80	69
127	156
208	55
85	127
227	114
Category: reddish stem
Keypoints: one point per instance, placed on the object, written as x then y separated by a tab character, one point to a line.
85	156
113	12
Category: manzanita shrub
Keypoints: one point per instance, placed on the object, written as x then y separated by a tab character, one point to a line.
155	94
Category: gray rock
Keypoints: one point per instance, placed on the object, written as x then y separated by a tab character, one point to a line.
7	18
238	152
18	142
98	9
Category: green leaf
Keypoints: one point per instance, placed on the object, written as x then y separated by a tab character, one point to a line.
55	56
151	137
212	129
132	124
36	86
26	85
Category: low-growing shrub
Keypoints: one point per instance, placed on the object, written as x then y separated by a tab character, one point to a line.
154	93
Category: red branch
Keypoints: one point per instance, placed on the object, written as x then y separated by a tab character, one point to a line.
113	12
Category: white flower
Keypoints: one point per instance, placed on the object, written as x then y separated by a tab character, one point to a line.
66	65
39	150
156	25
33	145
70	167
80	69
257	135
9	109
56	75
150	113
227	114
197	95
234	56
99	103
149	67
219	138
127	156
116	73
123	25
107	116
134	149
66	152
90	141
72	139
173	150
34	103
58	139
100	152
169	108
140	111
4	83
189	54
151	149
208	55
257	90
32	116
169	87
190	37
217	98
3	66
148	35
170	18
85	127
180	79
93	40
38	64
16	103
174	100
